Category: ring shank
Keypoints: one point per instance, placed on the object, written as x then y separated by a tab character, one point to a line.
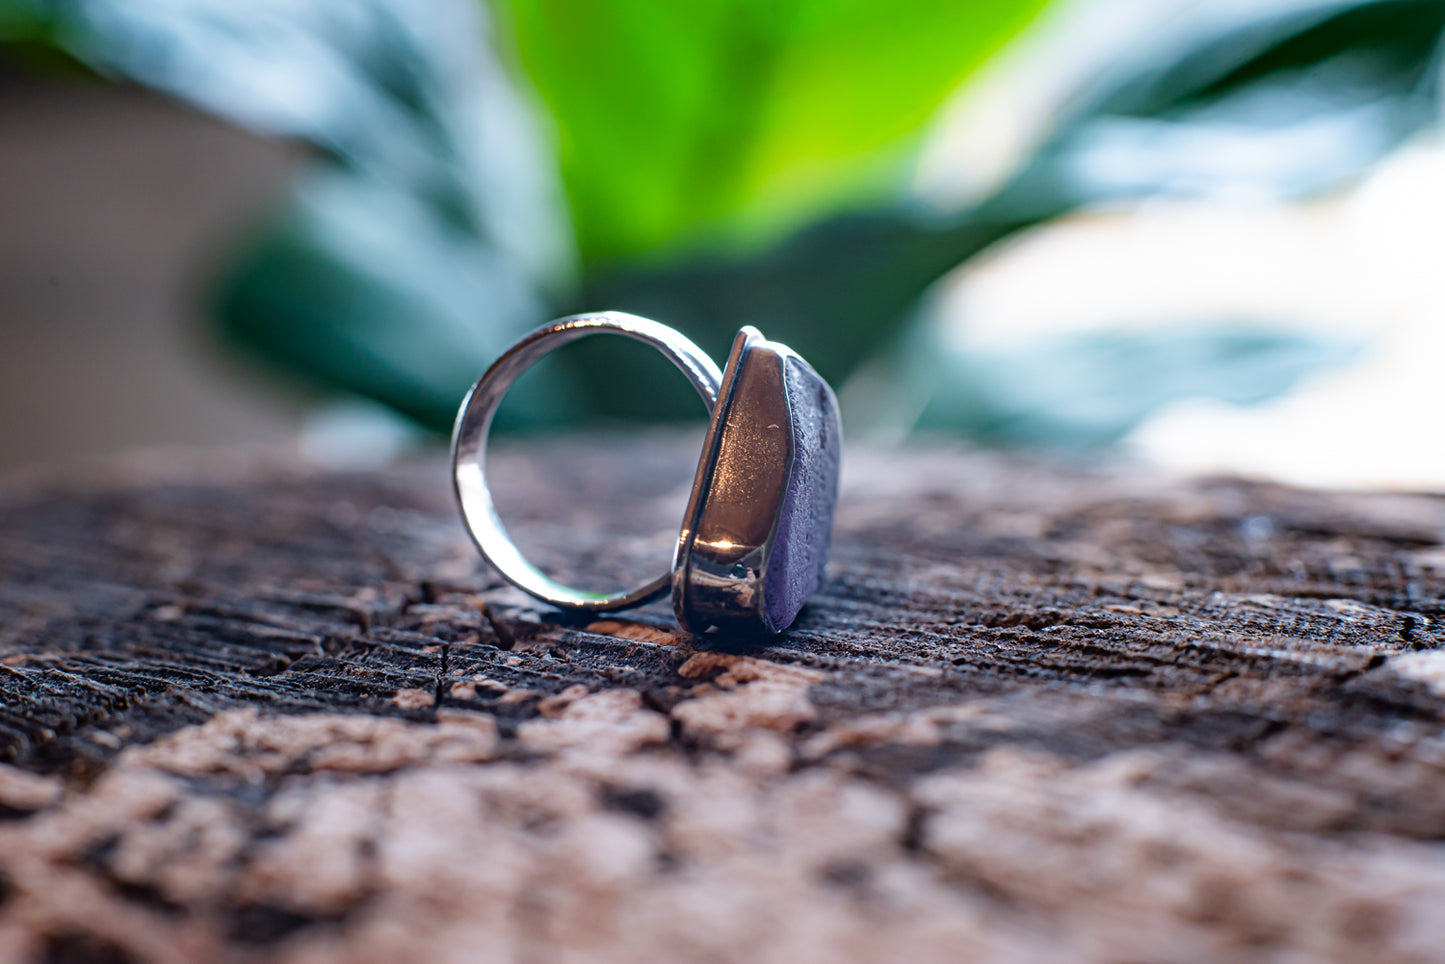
474	424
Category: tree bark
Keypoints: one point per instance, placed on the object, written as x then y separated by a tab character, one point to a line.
257	712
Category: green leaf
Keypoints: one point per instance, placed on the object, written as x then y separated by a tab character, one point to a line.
1277	100
23	21
740	117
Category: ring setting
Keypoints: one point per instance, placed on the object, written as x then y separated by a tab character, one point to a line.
753	543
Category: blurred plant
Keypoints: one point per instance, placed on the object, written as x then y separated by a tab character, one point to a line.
426	235
730	119
728	162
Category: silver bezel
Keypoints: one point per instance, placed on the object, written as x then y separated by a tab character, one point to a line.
720	588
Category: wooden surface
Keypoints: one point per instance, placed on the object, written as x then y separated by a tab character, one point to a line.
254	713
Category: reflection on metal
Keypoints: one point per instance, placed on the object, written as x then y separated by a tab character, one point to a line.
754	540
474	423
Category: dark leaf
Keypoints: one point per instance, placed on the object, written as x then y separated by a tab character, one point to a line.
367	289
432	229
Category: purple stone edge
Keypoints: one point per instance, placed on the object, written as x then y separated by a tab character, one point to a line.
799	555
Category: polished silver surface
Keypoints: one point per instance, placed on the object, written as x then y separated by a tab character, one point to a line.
754	539
474	422
753	543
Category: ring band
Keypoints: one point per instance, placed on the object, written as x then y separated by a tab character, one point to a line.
474	423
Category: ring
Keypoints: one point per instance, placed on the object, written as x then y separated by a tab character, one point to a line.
753	544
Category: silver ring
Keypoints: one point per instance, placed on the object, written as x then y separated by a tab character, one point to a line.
753	544
474	424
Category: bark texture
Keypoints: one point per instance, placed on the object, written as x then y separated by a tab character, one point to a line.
259	713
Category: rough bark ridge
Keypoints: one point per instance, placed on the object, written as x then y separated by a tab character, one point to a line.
265	714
